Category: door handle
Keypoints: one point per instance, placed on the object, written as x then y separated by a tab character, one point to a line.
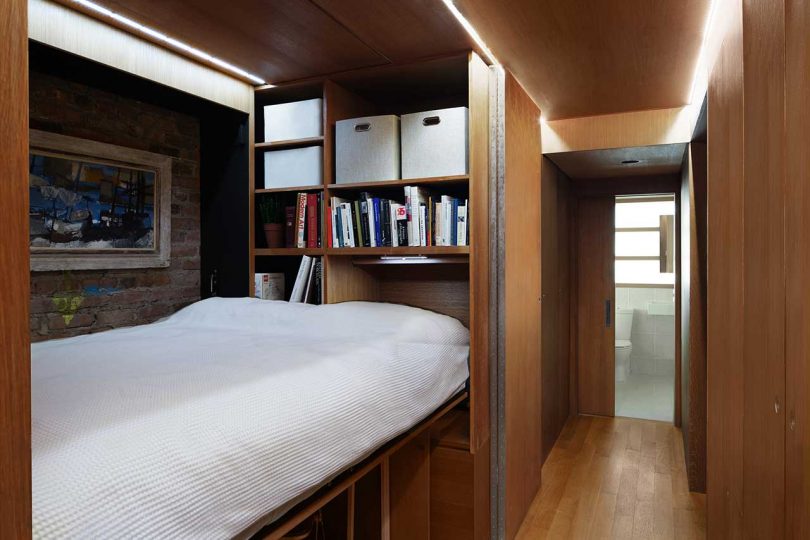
608	313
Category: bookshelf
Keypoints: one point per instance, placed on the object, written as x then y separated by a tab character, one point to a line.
449	279
454	280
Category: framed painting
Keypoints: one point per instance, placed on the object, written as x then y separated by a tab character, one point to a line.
96	206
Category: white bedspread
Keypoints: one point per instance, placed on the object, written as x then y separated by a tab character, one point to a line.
200	425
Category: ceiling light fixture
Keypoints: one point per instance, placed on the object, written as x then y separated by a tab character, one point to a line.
700	66
471	31
174	43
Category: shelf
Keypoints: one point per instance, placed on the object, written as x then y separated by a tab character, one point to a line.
401	251
289	189
284	145
268	252
435	180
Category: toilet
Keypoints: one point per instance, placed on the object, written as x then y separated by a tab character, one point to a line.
624	327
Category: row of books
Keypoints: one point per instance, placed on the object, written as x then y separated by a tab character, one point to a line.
424	219
308	286
302	225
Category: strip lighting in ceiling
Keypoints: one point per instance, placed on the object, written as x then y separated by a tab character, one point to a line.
471	31
174	43
701	69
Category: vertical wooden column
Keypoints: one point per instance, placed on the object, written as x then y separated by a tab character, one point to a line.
523	409
15	374
797	261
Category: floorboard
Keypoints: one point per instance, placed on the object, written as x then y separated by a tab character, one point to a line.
616	478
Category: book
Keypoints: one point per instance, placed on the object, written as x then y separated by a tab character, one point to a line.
309	292
339	223
453	230
318	295
289	226
364	221
312	220
462	224
392	223
319	214
385	222
417	198
422	223
346	220
301	279
329	220
300	220
358	224
269	286
402	225
371	228
377	221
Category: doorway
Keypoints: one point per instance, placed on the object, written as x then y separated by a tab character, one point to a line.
644	242
626	305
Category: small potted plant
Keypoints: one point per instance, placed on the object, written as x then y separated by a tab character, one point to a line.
272	213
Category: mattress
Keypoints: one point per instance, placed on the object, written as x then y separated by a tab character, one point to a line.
222	415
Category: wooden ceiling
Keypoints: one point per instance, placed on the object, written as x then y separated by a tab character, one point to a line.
658	159
575	57
285	40
589	57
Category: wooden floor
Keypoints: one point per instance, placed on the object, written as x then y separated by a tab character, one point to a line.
616	478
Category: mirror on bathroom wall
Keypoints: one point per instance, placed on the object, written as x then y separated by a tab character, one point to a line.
666	233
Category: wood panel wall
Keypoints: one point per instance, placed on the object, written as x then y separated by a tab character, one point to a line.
752	318
522	303
555	301
693	314
797	261
15	377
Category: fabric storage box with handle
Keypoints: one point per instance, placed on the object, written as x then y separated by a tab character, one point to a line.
294	167
367	149
435	143
293	121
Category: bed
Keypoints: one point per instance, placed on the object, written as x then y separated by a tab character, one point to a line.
226	414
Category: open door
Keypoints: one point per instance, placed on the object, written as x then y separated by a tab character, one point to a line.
595	305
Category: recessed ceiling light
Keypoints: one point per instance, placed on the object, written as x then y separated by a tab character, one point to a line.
471	31
629	161
174	43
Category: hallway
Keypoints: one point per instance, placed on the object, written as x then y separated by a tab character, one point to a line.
615	478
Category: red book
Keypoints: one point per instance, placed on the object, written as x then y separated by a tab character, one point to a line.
300	219
312	220
328	213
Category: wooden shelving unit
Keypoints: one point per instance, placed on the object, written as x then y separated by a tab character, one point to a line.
448	279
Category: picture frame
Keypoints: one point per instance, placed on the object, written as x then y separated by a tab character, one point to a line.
97	206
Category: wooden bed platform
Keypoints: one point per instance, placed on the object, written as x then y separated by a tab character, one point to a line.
400	469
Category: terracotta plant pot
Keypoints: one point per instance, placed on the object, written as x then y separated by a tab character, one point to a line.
274	234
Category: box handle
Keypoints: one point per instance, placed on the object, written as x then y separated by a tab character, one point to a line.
365	126
431	121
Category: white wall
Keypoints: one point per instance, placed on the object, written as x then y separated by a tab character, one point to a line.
653	336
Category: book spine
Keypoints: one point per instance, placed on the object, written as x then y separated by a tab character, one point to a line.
312	220
453	221
301	220
392	221
422	227
355	220
412	216
318	297
385	222
300	279
358	224
289	226
377	221
338	218
467	217
461	225
319	219
346	218
371	233
364	221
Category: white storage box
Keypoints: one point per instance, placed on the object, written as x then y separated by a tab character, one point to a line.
295	167
291	121
435	143
367	149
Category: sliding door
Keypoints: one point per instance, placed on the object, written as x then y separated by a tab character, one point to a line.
595	305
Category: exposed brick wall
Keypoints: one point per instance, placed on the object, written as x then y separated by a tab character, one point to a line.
115	298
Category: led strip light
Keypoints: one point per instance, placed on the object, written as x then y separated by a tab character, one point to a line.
174	43
471	31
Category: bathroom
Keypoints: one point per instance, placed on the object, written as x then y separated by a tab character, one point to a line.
645	307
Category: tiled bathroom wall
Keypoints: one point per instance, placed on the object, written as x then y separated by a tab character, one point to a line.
653	336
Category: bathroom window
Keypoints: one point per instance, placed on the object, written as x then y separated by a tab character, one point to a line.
639	240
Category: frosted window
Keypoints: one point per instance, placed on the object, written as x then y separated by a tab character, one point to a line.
642	214
642	272
637	244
